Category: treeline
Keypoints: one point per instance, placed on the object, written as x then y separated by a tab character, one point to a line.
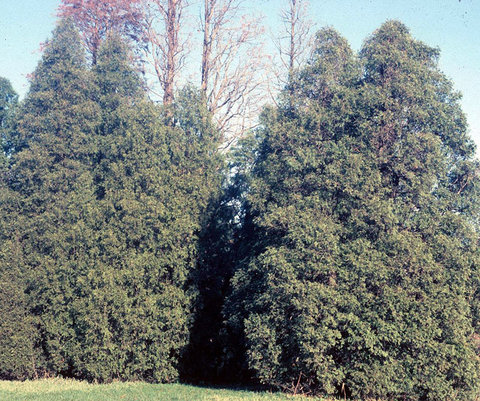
104	201
332	251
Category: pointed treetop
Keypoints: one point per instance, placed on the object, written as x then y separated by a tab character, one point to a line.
114	73
63	56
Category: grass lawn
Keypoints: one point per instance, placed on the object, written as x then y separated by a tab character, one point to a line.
72	390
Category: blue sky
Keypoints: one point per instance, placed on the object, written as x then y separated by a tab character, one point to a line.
452	25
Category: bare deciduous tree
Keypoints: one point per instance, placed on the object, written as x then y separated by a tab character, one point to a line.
232	61
164	48
96	18
293	43
233	65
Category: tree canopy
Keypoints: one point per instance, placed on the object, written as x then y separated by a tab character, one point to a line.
105	204
364	197
337	254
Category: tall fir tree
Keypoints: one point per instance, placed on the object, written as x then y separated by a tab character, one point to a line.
106	320
17	331
198	172
363	199
105	203
154	184
8	105
423	226
278	295
50	194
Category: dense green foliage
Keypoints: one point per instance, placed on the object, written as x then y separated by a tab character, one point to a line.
364	200
8	103
47	184
16	330
105	205
338	256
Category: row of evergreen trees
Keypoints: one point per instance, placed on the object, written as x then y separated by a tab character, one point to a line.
338	253
102	206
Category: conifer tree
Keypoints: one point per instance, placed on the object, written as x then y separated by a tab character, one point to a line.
153	185
363	199
422	227
105	321
17	331
8	104
197	171
50	193
104	205
291	198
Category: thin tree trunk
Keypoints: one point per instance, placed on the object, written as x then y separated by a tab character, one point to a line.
172	48
207	47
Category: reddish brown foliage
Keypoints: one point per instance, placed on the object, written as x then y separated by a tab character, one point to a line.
96	18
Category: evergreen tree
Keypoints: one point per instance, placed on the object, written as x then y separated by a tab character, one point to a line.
106	319
277	296
104	205
198	216
154	184
17	331
363	199
49	195
8	104
424	227
18	335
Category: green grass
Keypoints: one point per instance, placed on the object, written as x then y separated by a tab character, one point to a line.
72	390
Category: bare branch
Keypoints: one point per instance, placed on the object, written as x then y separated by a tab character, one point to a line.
164	48
233	65
293	43
95	19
